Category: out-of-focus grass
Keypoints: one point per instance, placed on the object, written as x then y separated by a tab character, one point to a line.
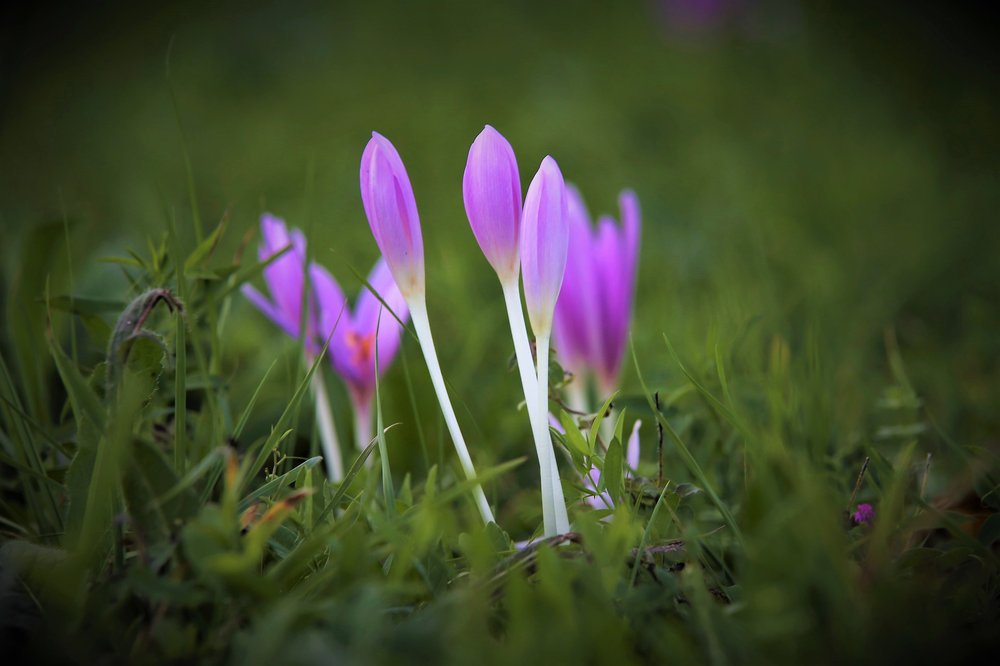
819	230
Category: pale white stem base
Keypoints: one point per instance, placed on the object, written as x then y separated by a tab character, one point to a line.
559	502
529	384
421	323
327	430
363	428
576	393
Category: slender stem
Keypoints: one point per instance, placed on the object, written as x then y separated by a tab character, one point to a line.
421	323
559	503
529	383
363	424
576	393
327	430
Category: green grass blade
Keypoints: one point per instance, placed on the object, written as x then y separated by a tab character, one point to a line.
248	410
685	454
276	484
352	473
278	429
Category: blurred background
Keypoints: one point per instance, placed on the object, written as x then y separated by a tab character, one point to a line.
811	174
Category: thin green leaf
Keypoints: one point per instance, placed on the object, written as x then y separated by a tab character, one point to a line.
685	453
595	428
278	483
207	246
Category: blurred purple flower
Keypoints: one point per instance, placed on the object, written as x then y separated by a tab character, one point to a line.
284	278
392	215
353	341
864	514
594	309
491	189
694	17
544	244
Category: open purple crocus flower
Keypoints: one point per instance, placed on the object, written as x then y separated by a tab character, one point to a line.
594	309
353	341
285	278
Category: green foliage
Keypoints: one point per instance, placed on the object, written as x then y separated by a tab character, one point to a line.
244	553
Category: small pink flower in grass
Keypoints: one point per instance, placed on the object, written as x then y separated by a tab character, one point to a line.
491	189
353	343
284	277
392	213
594	309
864	514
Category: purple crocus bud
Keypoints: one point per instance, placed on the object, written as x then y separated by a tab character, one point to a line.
544	243
491	189
616	256
353	341
575	327
392	214
594	309
864	514
284	278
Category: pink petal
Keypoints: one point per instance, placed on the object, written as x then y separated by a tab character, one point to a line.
369	310
270	310
392	213
575	327
607	264
544	244
284	276
491	189
331	305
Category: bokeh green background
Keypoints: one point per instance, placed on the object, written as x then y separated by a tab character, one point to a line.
809	173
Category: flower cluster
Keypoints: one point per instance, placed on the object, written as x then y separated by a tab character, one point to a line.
577	284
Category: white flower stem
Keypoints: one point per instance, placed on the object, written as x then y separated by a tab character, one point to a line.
363	428
418	315
529	384
576	393
327	430
559	503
